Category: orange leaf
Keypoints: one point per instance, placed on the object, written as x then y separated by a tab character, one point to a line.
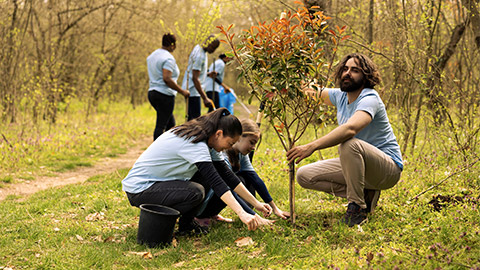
244	241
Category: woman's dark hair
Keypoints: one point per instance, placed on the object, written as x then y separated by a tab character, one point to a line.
206	125
369	69
168	40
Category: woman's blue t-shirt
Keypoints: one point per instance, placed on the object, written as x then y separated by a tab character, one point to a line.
168	158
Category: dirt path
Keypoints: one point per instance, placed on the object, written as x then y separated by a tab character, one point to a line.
79	175
104	166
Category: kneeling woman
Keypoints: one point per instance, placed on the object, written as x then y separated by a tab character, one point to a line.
182	163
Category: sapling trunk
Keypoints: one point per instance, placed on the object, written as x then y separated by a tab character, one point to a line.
291	167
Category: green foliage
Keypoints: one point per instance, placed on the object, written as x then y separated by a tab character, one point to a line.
280	59
92	225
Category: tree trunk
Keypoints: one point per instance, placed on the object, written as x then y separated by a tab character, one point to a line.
291	167
370	22
474	17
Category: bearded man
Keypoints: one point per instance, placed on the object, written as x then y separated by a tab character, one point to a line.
369	155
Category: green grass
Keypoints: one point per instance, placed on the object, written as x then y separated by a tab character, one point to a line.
92	225
73	141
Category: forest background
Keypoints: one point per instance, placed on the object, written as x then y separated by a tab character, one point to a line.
74	79
58	52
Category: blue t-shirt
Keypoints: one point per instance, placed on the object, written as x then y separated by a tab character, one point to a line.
379	132
168	158
244	160
227	99
159	60
196	61
219	67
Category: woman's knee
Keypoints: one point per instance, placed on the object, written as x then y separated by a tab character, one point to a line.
198	193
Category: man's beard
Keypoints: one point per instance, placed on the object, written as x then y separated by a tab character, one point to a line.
351	85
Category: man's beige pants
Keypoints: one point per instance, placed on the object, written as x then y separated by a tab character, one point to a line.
360	166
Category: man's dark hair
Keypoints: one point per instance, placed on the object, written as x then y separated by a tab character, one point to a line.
168	40
203	127
221	56
369	69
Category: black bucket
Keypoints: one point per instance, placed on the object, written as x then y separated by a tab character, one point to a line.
156	225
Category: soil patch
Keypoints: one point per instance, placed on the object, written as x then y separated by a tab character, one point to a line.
79	175
441	201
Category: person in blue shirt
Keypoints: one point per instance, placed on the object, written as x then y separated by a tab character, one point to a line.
227	99
238	160
195	75
183	162
369	155
163	73
214	81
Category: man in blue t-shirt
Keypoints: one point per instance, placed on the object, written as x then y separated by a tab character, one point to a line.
195	75
214	80
370	158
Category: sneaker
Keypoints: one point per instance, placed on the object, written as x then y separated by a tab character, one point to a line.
192	229
371	197
354	215
204	222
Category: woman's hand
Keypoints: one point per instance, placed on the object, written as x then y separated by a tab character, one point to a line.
281	214
249	220
263	221
264	208
254	222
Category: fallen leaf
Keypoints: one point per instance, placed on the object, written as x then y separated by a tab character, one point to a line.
179	264
108	239
255	254
98	238
369	256
144	254
56	229
308	240
244	241
79	238
95	216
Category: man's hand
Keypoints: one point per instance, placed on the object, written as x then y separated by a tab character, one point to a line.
212	74
298	153
185	93
208	102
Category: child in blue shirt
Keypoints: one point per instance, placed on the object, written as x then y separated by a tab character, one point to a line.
238	160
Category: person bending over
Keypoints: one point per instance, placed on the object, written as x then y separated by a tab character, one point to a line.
183	162
238	160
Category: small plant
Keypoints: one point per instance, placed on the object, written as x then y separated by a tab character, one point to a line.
281	59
